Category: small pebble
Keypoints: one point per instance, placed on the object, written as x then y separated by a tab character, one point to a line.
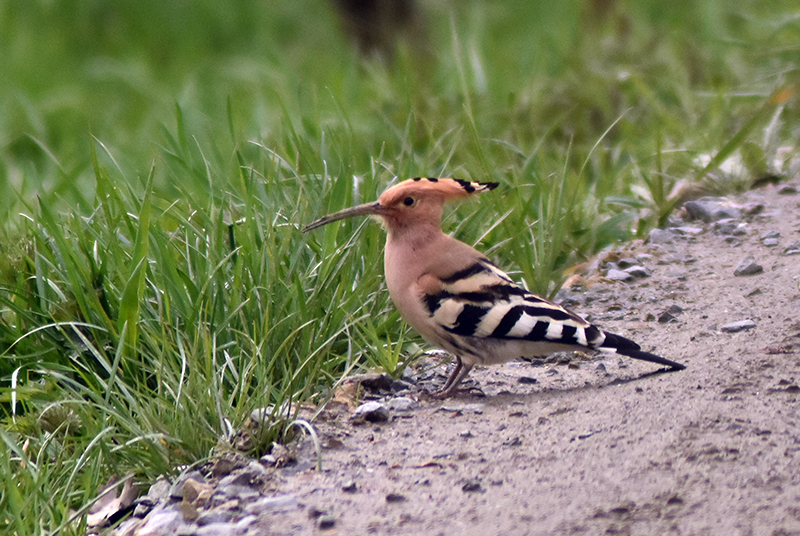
216	516
730	227
637	271
770	242
741	325
661	236
375	381
177	489
457	407
281	503
711	209
688	230
527	379
371	412
160	521
400	385
618	275
471	486
401	403
792	249
395	498
699	210
326	521
787	189
748	266
670	315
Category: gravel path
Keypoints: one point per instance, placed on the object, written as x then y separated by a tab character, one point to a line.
577	445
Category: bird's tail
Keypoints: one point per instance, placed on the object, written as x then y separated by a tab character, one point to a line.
628	348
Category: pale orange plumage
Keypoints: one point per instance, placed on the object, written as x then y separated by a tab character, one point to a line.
455	298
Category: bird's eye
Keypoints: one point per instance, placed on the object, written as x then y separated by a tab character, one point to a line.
408	201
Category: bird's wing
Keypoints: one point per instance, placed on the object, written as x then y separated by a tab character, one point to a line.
481	301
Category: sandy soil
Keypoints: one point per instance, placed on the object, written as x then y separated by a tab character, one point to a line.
598	445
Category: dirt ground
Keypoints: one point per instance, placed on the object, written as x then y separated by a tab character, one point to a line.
599	444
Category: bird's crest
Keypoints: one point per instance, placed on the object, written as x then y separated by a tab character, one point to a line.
445	189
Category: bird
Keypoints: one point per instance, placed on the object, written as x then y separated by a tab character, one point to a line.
457	299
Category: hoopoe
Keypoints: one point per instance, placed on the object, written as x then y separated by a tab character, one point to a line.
457	299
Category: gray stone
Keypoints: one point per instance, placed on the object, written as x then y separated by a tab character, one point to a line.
160	489
160	521
409	375
637	271
792	249
787	189
215	516
618	275
246	521
264	416
688	230
401	403
699	210
748	266
670	315
473	485
220	529
770	242
254	474
730	227
771	234
460	407
371	412
236	491
374	381
711	209
282	503
401	385
128	527
176	492
722	212
741	325
326	521
661	236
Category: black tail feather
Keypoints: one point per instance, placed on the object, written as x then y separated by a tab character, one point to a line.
629	348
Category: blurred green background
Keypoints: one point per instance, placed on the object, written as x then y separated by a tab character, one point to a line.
157	161
527	72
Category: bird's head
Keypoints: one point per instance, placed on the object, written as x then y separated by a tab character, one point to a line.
412	202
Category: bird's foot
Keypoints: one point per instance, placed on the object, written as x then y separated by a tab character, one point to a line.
443	394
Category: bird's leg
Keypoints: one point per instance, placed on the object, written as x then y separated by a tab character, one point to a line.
459	373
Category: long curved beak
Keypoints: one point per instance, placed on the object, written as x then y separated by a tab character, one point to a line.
367	209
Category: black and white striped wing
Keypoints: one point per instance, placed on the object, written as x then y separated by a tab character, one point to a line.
482	301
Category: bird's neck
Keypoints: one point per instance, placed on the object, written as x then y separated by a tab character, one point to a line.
413	238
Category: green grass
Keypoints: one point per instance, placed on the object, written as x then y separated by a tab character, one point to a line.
157	162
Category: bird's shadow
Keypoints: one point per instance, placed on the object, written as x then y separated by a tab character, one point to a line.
475	391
